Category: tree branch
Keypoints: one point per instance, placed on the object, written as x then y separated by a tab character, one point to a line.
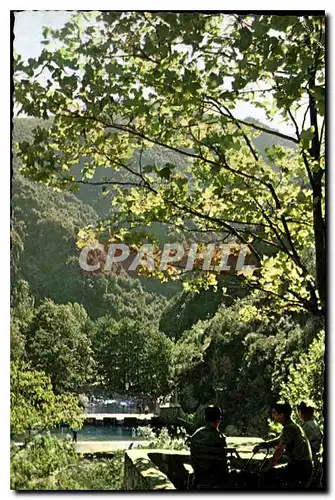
301	301
246	138
257	127
322	131
126	129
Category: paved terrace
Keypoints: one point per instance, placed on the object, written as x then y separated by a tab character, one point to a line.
105	446
244	445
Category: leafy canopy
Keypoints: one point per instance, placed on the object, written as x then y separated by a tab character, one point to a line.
132	356
58	343
119	83
305	381
34	405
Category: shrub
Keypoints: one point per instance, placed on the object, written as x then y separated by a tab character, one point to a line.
305	381
163	440
48	463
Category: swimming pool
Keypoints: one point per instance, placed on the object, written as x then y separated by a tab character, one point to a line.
92	433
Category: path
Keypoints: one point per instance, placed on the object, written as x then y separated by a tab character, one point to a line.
97	446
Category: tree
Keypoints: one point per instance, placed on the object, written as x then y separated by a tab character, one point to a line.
42	217
122	82
21	314
241	359
305	380
45	225
34	405
58	343
133	357
45	462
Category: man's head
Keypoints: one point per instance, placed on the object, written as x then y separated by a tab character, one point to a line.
281	412
213	415
305	412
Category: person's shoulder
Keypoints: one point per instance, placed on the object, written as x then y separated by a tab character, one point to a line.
199	431
308	424
291	428
215	432
312	427
292	425
218	436
313	423
297	430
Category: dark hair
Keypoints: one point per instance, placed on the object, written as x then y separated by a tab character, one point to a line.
302	406
213	413
308	411
284	408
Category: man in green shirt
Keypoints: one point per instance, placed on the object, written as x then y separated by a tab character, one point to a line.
310	428
294	444
207	451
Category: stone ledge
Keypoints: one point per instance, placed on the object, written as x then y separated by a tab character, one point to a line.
141	473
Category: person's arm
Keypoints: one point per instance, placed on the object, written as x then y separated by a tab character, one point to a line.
286	437
278	453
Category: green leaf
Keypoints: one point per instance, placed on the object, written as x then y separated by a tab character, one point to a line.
306	137
245	38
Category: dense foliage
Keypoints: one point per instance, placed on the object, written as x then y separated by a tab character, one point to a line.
185	309
96	475
34	405
132	356
124	90
51	464
305	380
35	467
58	343
244	360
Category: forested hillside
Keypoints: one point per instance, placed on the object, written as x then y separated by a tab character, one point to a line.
45	225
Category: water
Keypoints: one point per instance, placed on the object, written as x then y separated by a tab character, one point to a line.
92	433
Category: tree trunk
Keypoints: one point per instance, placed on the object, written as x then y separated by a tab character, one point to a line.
319	236
318	221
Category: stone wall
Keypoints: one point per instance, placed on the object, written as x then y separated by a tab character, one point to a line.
154	469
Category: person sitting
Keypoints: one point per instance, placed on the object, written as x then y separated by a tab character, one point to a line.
207	446
310	428
294	444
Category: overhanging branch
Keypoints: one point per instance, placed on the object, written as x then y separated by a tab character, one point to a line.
253	125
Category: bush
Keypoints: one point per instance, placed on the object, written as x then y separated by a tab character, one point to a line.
49	463
305	381
163	440
33	467
96	475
